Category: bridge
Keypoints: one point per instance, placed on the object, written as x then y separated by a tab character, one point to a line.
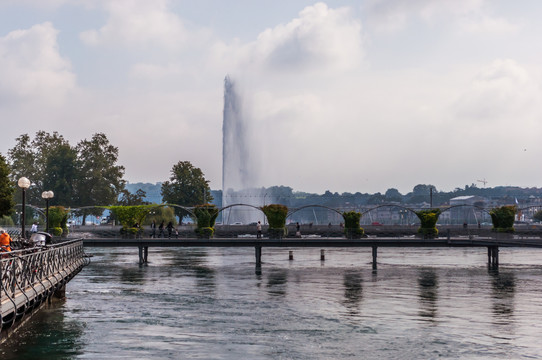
31	278
491	243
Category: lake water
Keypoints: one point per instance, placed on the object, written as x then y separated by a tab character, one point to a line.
197	303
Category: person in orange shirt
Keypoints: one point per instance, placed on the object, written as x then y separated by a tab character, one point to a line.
5	241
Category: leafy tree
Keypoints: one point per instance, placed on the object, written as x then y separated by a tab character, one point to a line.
99	180
61	175
29	158
393	195
129	199
186	187
538	215
6	189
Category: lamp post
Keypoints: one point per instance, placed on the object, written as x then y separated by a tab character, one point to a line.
47	195
24	184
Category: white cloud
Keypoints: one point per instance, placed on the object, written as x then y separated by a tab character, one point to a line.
138	23
31	67
502	90
483	24
320	39
471	15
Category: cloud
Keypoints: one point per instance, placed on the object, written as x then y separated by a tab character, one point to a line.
469	15
501	90
320	39
31	67
138	23
483	24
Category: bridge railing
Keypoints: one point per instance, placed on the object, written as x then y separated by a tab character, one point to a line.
35	273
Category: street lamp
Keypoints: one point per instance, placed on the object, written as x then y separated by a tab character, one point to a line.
47	195
24	184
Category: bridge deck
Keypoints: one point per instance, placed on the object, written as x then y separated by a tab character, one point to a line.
316	242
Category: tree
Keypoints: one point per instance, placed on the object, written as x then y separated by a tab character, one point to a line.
6	189
61	175
538	215
99	180
186	187
29	158
129	199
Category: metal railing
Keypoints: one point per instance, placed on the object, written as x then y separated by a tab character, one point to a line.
29	276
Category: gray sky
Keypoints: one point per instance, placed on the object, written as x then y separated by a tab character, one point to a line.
343	95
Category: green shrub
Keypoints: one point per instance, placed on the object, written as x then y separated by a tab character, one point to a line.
352	228
58	218
503	218
56	231
276	218
205	232
428	221
128	216
6	221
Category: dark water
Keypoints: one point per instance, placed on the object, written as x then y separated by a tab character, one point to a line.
210	304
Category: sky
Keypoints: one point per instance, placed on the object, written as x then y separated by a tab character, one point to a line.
345	96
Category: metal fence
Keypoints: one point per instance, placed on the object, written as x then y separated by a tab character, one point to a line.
30	276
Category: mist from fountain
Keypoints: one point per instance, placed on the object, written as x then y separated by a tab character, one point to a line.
240	166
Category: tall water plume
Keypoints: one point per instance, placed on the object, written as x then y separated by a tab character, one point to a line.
239	165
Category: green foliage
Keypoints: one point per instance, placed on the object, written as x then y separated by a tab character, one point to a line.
57	231
100	180
128	216
205	215
428	221
6	221
503	218
6	189
128	198
276	215
205	232
160	213
58	217
351	224
186	187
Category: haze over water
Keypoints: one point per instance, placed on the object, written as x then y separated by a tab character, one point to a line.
210	303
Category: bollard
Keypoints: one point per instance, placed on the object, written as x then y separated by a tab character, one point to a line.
291	255
322	255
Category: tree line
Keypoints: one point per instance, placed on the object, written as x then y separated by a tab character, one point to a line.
85	176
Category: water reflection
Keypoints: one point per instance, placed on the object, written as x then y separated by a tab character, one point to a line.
428	287
47	335
193	262
353	291
276	283
503	287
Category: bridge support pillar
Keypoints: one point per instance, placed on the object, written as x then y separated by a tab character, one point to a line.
258	253
143	254
493	256
375	252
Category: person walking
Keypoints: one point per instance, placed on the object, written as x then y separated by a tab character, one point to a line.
169	229
297	230
153	229
259	230
161	229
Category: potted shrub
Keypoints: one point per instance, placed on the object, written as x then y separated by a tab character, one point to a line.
205	217
428	221
503	218
276	217
352	229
